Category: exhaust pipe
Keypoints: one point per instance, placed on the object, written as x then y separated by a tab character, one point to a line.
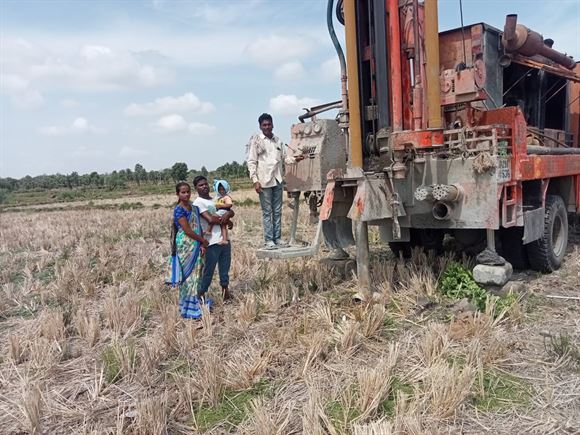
517	38
441	211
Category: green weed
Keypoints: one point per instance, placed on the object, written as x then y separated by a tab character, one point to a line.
232	410
118	361
501	392
387	407
457	283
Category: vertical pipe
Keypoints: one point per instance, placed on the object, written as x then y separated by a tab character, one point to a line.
395	64
295	214
432	57
490	233
362	257
355	134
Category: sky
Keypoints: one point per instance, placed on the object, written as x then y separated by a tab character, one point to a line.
100	85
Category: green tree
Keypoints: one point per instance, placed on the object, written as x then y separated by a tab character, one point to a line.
204	171
74	179
179	172
3	196
140	173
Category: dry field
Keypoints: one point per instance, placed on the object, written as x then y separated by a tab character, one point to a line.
91	341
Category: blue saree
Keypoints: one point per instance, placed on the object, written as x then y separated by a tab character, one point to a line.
186	262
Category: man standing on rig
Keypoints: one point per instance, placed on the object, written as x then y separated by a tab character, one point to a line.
265	156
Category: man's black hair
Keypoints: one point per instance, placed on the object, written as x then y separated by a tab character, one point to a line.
265	117
198	179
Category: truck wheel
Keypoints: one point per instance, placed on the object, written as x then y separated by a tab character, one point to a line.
513	248
546	254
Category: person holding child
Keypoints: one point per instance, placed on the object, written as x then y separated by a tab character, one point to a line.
217	253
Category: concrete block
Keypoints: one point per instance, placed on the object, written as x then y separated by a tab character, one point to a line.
494	275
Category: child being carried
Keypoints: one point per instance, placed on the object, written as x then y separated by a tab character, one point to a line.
223	204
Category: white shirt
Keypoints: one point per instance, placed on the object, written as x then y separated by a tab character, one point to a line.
216	231
265	158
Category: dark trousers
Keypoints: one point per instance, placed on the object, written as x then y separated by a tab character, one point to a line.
220	255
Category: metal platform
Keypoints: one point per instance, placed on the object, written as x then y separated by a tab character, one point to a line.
294	251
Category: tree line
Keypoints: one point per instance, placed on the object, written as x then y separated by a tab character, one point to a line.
121	179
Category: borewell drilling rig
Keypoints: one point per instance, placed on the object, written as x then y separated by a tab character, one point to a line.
471	133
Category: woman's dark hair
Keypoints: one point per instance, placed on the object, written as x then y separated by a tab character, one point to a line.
179	185
264	117
198	179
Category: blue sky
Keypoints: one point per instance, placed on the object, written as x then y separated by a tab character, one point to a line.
102	85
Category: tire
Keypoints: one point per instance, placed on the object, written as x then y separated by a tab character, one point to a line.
546	254
513	248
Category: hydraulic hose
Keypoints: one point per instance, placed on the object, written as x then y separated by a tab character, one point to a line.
339	52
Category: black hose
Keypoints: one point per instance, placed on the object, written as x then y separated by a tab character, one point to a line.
545	151
335	42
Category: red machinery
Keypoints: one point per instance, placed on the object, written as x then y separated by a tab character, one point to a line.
470	133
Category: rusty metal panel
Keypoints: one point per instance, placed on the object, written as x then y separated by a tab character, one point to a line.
373	201
537	167
451	48
478	206
323	144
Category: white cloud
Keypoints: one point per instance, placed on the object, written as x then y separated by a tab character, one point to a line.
200	129
185	103
171	123
289	71
176	123
274	49
290	104
330	69
21	94
131	152
79	126
58	64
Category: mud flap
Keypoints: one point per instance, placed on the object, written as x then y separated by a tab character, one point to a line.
337	230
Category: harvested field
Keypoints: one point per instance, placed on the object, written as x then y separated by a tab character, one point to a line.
92	341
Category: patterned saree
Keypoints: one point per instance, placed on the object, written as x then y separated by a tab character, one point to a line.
186	266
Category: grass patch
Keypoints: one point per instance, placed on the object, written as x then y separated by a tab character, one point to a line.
23	311
46	275
131	205
457	283
118	361
387	407
233	408
563	346
340	417
248	202
502	391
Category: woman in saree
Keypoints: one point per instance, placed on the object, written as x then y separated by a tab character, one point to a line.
187	246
